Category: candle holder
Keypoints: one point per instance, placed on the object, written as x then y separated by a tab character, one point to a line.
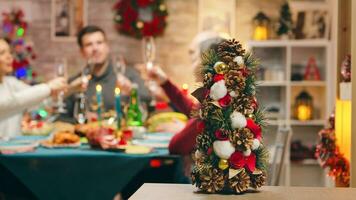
304	106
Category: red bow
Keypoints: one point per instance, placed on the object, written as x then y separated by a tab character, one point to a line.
218	77
237	160
220	135
225	101
254	128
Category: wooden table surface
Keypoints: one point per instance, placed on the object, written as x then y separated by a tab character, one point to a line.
186	191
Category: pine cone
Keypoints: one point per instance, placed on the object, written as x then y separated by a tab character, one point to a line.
195	177
204	141
235	80
242	139
208	80
240	182
242	104
229	49
213	181
258	180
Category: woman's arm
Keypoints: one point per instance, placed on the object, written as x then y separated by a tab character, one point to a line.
21	99
177	98
183	143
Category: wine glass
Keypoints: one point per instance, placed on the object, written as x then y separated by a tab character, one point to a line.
119	65
61	71
148	51
80	109
149	54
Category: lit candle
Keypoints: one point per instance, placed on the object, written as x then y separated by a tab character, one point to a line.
118	107
99	100
185	88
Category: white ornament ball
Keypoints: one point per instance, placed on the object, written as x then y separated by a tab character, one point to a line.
255	144
223	149
238	120
218	90
239	60
233	94
247	152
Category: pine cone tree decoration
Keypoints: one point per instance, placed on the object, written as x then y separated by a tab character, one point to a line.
240	182
229	49
204	141
242	138
230	148
257	180
213	181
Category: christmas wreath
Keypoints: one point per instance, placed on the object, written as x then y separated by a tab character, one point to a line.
140	18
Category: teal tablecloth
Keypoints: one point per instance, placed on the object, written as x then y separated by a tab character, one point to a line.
80	173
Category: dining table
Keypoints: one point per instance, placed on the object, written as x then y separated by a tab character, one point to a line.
83	172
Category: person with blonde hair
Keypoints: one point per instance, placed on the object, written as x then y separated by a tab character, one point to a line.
16	96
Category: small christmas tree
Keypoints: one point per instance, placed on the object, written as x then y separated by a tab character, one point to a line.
14	28
229	154
285	20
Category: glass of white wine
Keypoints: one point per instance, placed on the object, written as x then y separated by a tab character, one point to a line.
61	71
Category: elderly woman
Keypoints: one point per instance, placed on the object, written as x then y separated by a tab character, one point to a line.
17	96
184	141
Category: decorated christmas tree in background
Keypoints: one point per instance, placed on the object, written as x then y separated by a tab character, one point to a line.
14	28
285	21
230	155
329	156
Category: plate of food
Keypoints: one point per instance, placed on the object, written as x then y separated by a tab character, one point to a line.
11	147
62	140
36	128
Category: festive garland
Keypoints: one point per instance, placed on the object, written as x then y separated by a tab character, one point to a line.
330	157
140	18
230	156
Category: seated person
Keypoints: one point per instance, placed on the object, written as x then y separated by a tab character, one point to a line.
16	96
184	141
94	47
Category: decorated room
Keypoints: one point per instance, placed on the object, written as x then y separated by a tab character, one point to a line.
177	99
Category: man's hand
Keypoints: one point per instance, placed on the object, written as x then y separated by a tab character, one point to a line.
79	84
124	84
57	84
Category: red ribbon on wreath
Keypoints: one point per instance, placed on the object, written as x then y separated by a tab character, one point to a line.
140	18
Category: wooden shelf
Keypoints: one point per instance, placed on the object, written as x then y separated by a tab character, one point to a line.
294	43
316	122
308	83
308	161
271	83
275	122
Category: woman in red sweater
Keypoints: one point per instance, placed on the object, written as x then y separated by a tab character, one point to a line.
184	141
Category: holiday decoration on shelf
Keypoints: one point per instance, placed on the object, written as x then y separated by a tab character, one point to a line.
304	106
346	69
312	71
261	26
285	21
230	156
330	157
140	18
15	27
